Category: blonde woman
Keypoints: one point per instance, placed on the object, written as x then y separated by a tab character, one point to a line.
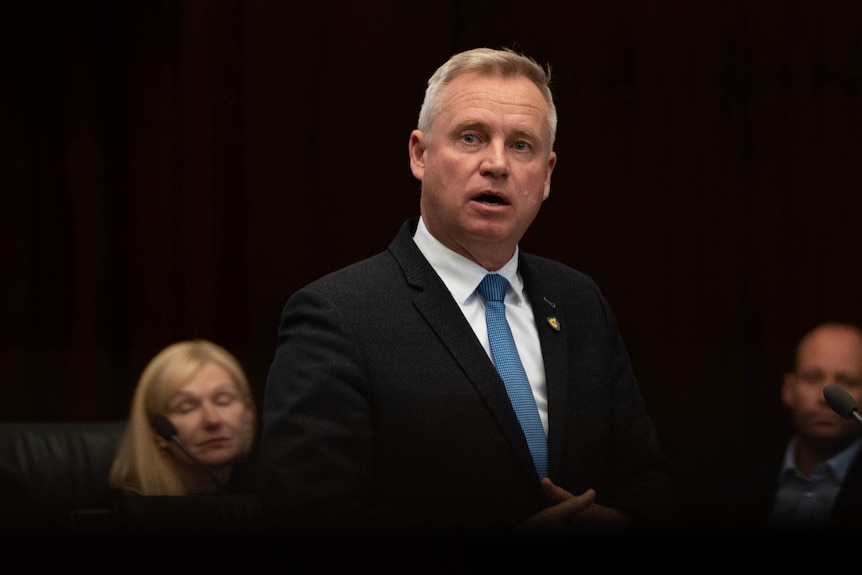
191	425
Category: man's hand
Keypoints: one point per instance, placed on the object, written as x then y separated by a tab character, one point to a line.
578	512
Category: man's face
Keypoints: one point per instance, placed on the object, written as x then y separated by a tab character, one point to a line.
829	356
485	166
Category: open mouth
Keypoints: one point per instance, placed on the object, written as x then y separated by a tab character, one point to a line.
491	199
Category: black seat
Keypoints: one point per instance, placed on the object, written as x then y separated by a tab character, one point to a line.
54	481
53	474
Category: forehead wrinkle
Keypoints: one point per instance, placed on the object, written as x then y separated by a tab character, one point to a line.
492	98
196	389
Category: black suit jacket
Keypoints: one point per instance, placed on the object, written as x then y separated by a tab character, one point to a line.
382	408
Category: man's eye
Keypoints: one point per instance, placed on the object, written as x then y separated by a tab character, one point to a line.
811	378
521	146
848	382
469	138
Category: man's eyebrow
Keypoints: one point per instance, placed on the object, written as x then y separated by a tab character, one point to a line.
469	125
478	125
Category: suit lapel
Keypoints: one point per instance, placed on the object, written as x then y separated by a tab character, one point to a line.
548	310
435	303
848	504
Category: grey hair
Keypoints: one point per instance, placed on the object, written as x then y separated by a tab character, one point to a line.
504	62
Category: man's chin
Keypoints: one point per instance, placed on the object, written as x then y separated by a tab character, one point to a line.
830	437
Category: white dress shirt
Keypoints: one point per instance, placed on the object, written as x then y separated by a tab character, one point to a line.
462	277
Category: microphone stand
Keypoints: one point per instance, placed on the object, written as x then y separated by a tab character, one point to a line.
167	430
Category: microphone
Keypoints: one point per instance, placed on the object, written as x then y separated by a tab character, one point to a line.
841	402
167	430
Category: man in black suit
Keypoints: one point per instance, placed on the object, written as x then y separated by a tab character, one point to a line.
383	410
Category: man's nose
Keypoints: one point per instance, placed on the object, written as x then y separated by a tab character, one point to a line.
495	162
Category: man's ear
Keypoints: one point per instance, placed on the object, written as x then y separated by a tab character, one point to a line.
416	150
552	161
787	389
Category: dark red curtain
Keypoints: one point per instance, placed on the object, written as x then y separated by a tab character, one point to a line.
175	169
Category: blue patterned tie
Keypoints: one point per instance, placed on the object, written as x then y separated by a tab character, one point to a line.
510	368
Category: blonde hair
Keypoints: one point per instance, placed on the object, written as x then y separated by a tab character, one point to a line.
140	465
505	63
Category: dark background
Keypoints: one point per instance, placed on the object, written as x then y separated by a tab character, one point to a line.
176	169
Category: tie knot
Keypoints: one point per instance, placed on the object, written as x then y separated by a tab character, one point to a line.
493	287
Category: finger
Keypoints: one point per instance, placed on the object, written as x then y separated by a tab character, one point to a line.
572	506
557	494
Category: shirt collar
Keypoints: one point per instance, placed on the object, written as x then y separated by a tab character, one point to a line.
461	275
837	465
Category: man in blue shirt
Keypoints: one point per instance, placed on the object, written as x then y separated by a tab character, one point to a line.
823	451
809	483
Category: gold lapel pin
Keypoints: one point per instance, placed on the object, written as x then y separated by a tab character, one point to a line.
554	322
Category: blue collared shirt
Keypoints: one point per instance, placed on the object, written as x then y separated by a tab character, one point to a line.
807	501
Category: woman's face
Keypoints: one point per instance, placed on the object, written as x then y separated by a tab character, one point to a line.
211	418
